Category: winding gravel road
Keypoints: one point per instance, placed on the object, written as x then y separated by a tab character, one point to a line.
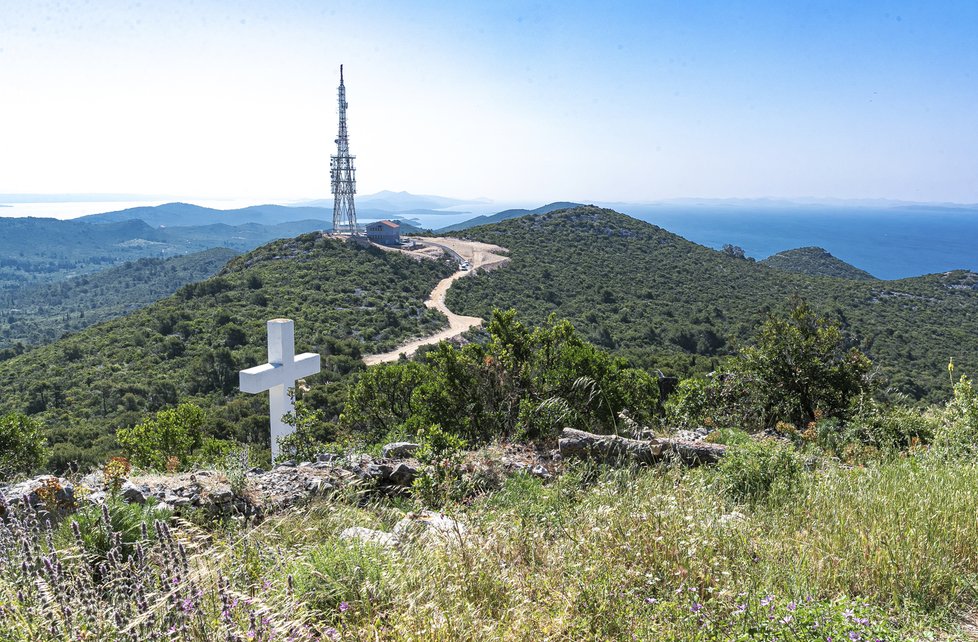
480	256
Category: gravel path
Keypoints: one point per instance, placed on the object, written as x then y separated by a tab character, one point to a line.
480	256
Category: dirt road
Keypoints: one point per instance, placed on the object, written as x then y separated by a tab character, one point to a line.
479	256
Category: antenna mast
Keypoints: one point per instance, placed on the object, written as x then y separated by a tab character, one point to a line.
343	175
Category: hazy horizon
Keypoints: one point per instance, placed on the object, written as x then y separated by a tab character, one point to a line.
627	102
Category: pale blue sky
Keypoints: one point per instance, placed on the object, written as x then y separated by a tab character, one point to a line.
625	101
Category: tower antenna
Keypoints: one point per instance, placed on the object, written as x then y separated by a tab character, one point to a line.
343	175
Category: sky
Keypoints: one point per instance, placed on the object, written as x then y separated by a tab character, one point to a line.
513	101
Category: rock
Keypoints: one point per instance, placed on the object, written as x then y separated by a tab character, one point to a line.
379	472
429	527
221	495
256	471
94	480
47	492
369	536
327	458
134	494
540	471
399	450
285	464
176	500
616	450
403	474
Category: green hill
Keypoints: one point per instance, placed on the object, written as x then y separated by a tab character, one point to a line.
44	250
189	346
668	303
42	313
505	215
815	261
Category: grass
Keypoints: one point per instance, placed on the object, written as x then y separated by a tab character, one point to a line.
886	552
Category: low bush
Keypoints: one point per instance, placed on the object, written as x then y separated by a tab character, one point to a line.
760	470
165	440
956	435
22	446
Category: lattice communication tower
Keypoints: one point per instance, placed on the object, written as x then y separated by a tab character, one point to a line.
343	175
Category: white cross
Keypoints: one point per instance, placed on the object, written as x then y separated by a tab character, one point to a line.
284	367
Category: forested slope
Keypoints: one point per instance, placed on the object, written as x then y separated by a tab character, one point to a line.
668	303
344	299
42	313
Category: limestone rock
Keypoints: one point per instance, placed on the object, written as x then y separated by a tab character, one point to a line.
134	494
399	450
429	527
45	492
403	474
369	536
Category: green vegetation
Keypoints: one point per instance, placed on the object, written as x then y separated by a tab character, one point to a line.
42	313
42	250
666	303
189	347
815	261
521	384
22	448
165	441
883	552
505	215
848	513
798	371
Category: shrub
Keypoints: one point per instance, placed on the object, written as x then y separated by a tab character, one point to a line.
441	453
760	470
22	447
310	435
800	370
957	433
171	433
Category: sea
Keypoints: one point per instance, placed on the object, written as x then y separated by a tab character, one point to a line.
888	242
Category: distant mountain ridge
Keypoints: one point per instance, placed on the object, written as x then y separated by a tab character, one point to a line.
389	201
815	261
187	214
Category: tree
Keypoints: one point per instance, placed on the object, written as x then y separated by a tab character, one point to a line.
800	369
173	432
22	446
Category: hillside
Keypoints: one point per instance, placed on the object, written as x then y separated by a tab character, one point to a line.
505	215
671	304
44	250
343	298
41	313
815	261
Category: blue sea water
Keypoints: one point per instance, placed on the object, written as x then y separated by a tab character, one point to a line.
889	243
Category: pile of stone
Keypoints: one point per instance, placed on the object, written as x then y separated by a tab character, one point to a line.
255	494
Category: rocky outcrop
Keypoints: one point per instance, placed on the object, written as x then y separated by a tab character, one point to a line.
247	496
613	449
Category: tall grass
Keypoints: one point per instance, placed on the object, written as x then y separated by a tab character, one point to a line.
887	552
